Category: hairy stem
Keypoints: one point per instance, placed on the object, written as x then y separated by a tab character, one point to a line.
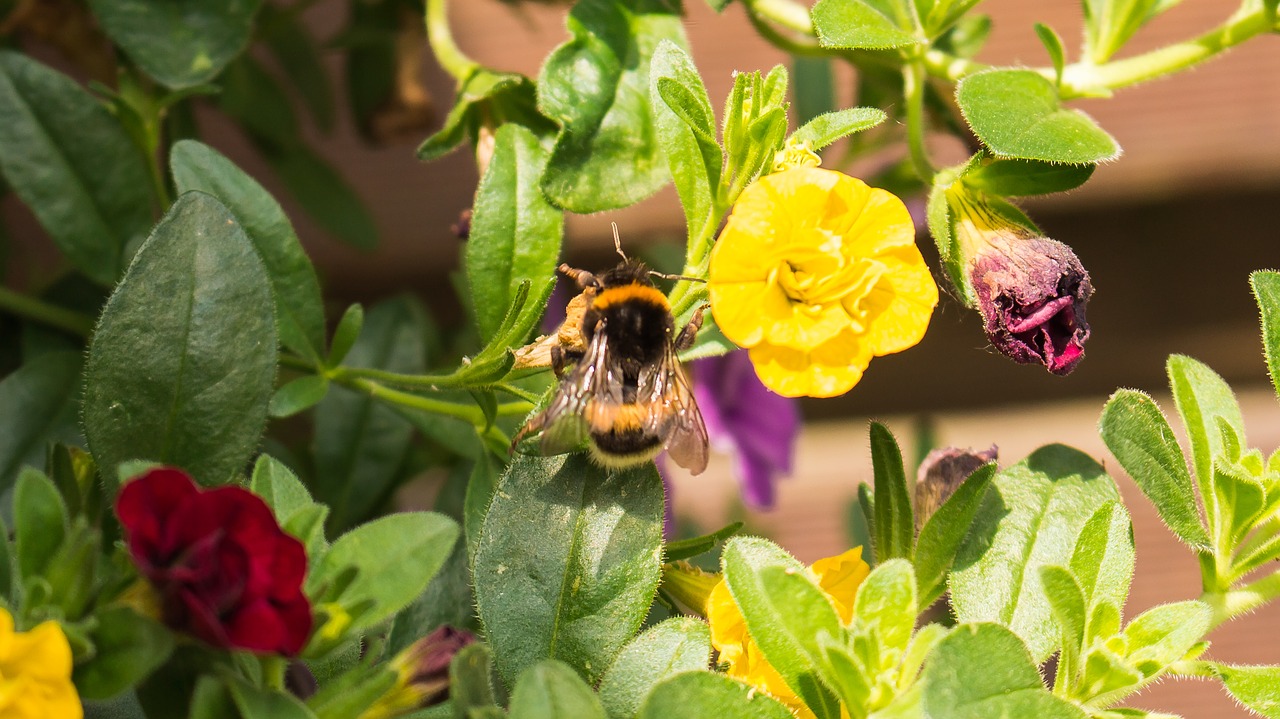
1232	603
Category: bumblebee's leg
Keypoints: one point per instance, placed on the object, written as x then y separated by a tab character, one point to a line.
690	332
584	279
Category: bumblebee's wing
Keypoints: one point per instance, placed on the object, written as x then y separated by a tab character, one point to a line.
674	414
567	420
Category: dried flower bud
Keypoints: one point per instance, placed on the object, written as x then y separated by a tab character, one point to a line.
941	473
422	674
1030	290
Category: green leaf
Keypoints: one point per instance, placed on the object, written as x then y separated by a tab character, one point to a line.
1240	497
1256	687
1110	23
485	95
324	194
1017	113
448	599
296	289
786	613
1266	290
1103	559
551	689
942	533
696	695
679	644
827	128
596	86
183	43
567	562
395	557
256	702
1020	178
953	262
10	579
894	522
182	363
298	395
814	87
1164	634
127	647
73	164
480	490
1031	518
470	679
345	334
1067	602
1137	433
692	547
280	489
360	443
858	25
1203	398
686	129
295	50
1053	45
982	670
515	233
40	522
886	601
35	401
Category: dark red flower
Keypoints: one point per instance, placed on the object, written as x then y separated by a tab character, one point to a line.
224	569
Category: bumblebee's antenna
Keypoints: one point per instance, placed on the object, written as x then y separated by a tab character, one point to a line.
617	242
666	276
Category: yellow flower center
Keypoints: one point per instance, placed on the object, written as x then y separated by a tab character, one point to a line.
816	277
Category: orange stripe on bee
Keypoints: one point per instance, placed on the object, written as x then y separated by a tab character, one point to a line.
617	295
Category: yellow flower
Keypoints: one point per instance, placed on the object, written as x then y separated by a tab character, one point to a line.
816	273
35	673
839	578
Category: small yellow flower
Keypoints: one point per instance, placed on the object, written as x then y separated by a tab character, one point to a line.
35	673
839	578
816	273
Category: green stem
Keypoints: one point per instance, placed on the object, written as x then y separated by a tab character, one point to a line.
447	52
913	90
465	412
273	672
1234	602
45	313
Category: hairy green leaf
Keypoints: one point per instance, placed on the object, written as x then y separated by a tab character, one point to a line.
1108	24
696	695
679	644
471	679
686	129
182	364
859	25
1103	559
40	522
73	164
1266	290
1203	399
886	601
894	522
551	689
567	562
942	533
829	127
1164	634
1256	687
1019	178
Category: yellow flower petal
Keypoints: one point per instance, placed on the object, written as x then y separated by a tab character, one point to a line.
840	576
829	370
35	673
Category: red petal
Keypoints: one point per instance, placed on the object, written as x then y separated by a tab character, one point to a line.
145	506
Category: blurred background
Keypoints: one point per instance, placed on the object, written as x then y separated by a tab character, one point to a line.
1169	233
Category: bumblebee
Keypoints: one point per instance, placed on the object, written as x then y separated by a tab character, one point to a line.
622	388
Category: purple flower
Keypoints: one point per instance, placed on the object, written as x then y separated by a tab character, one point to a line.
744	418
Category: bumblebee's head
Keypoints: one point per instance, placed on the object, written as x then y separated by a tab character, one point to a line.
630	272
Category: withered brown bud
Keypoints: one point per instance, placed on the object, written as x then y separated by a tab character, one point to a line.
942	471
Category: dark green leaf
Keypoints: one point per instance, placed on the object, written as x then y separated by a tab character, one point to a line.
1031	518
597	87
299	310
1053	45
697	695
814	87
552	690
826	129
786	613
480	490
181	43
894	524
298	395
40	522
360	443
1137	433
692	547
1103	559
324	194
256	702
515	233
1203	399
395	557
10	579
369	44
1017	113
680	644
72	163
1019	178
128	646
943	532
1266	290
296	52
34	402
981	671
567	562
470	680
123	706
858	25
1258	688
447	600
252	97
344	336
685	125
181	366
